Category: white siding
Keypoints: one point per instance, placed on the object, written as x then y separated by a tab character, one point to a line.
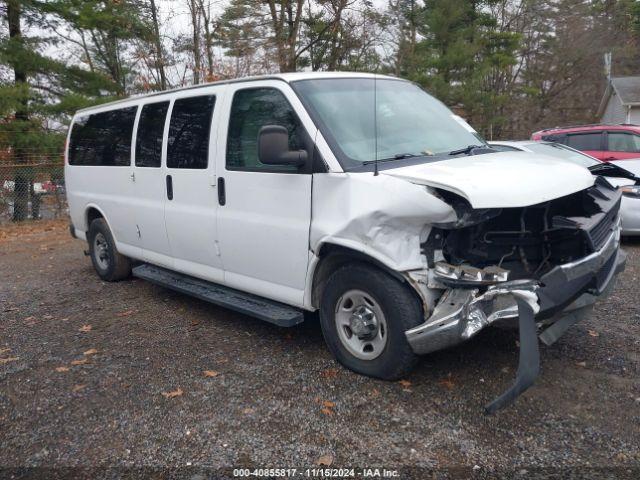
635	115
614	112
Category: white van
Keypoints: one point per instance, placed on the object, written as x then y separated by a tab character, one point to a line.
358	196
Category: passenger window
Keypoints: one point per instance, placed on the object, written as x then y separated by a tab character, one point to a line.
251	110
103	139
189	130
585	141
150	131
623	142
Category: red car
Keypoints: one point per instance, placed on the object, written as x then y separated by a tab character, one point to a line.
605	142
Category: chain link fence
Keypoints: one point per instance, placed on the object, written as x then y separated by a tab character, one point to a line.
32	191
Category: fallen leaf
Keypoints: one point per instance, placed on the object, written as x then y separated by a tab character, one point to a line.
326	411
85	328
195	323
329	373
4	350
126	313
176	393
375	392
447	383
62	369
325	460
211	373
247	411
80	362
581	364
77	388
405	383
91	351
8	359
328	404
593	333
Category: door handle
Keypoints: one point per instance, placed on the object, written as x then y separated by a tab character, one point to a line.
222	191
608	159
169	187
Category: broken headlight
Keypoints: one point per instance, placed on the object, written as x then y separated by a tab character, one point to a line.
466	275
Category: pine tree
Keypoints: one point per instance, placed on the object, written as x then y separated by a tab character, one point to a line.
37	96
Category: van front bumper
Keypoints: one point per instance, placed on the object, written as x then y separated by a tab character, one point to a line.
565	291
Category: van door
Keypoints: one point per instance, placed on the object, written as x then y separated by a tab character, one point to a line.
149	184
265	210
191	201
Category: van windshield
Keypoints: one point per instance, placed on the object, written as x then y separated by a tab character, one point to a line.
385	119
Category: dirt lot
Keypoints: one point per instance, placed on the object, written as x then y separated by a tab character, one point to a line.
130	374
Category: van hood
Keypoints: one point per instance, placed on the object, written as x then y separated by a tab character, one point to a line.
500	180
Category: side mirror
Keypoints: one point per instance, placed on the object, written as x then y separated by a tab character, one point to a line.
273	147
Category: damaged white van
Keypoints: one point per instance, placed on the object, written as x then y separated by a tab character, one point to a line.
358	196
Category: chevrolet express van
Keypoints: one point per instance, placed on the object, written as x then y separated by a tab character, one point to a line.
357	196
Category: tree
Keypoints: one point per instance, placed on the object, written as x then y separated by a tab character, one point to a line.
38	92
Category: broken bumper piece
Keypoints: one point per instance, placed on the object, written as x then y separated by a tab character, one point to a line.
463	312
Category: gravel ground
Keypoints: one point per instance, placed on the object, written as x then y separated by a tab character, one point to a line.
130	374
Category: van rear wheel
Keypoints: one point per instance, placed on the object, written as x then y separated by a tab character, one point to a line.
110	265
364	313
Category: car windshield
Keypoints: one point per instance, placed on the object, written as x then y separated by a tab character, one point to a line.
560	151
385	119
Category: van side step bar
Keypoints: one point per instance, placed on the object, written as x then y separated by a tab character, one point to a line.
247	303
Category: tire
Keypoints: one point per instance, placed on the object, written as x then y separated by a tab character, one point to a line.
390	356
110	265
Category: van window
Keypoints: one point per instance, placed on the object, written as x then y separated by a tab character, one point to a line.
585	141
103	139
251	110
623	142
188	143
150	132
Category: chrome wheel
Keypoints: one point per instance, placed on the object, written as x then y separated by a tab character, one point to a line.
101	251
361	325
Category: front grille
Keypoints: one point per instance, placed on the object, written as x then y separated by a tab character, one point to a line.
598	234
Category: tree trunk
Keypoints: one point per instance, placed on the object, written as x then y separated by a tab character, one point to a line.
157	41
195	23
21	179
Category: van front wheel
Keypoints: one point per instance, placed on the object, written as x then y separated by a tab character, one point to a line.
110	265
364	313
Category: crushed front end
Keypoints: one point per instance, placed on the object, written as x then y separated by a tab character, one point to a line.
544	265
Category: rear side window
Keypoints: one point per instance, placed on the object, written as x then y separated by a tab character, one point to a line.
103	139
150	131
585	141
251	110
623	142
188	144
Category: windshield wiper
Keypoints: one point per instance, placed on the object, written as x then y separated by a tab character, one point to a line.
397	156
466	150
400	156
612	170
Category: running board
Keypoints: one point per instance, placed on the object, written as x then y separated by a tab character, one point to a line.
247	303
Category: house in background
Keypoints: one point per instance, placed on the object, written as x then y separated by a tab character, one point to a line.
621	101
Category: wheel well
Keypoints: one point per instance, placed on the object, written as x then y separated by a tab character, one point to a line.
92	214
333	257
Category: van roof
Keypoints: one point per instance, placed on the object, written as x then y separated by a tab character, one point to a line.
286	77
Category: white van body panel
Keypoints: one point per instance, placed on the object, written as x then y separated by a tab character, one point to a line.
264	225
381	216
148	203
527	179
190	217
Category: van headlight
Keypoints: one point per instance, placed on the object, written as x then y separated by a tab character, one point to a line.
632	191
